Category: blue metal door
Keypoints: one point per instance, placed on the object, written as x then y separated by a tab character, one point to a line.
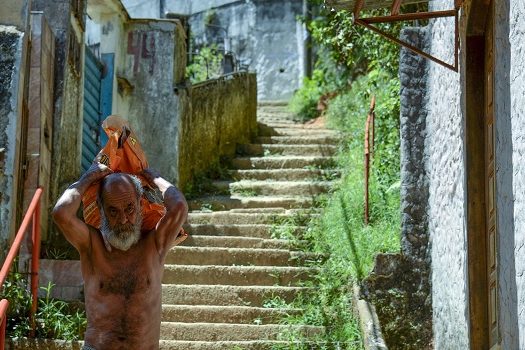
98	88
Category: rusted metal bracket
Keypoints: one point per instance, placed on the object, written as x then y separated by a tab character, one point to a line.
396	17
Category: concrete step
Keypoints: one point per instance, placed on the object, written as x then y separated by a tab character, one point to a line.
224	314
274	188
235	201
236	275
244	218
285	174
298	140
236	242
222	345
205	294
269	131
229	332
182	255
288	150
284	162
245	230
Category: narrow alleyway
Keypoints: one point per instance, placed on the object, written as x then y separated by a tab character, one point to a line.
217	282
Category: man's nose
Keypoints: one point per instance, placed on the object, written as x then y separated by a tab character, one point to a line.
123	218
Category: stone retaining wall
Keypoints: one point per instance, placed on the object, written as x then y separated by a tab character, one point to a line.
222	114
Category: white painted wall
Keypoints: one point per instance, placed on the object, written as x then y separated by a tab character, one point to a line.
446	165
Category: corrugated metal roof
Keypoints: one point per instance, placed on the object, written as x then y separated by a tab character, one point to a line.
367	4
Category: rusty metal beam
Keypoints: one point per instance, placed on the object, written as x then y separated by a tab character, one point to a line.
396	5
454	67
358	6
409	16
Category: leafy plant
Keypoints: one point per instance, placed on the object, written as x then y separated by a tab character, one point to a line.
55	319
206	64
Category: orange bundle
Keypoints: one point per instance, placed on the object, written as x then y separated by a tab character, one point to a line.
123	153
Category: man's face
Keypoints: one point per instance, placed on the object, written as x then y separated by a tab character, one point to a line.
121	217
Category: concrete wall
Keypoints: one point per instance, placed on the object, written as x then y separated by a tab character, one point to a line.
447	194
154	66
223	114
264	35
13	44
509	96
68	100
447	189
14	38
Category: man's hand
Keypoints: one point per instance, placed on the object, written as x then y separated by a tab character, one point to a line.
97	171
65	211
170	224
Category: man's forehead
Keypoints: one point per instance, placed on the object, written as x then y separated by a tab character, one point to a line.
118	186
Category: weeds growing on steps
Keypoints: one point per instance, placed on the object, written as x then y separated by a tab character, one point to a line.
340	232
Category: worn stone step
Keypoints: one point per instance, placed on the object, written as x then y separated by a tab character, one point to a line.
285	174
289	150
284	162
227	202
269	131
272	103
274	188
54	344
236	275
222	345
237	242
246	230
298	140
182	255
229	332
224	314
205	294
243	218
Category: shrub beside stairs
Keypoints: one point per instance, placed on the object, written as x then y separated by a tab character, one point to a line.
217	284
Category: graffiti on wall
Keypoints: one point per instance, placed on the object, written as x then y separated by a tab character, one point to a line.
141	45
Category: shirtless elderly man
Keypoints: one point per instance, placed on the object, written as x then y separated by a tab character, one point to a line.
122	267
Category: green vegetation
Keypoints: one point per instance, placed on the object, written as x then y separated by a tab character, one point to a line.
206	64
55	319
353	66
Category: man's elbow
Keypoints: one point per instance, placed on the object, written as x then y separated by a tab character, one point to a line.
180	210
60	215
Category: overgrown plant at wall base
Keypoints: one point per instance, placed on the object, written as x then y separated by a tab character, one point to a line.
55	319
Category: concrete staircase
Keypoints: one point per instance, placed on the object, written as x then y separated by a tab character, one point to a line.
217	282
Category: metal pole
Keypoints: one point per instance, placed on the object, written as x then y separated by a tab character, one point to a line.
35	263
13	251
4	305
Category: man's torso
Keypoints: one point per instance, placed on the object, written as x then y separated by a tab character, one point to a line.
123	295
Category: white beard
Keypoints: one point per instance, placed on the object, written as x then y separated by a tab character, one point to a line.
122	240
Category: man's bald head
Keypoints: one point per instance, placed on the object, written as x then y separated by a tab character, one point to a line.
119	182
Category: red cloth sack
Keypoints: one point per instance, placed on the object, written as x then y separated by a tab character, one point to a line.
123	153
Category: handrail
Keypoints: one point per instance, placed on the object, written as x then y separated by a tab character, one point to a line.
32	214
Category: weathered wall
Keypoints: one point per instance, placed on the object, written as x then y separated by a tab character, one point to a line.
154	64
223	114
68	93
143	9
264	35
509	96
13	44
14	39
446	164
445	154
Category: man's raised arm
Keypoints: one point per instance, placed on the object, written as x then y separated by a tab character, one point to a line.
65	210
169	226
